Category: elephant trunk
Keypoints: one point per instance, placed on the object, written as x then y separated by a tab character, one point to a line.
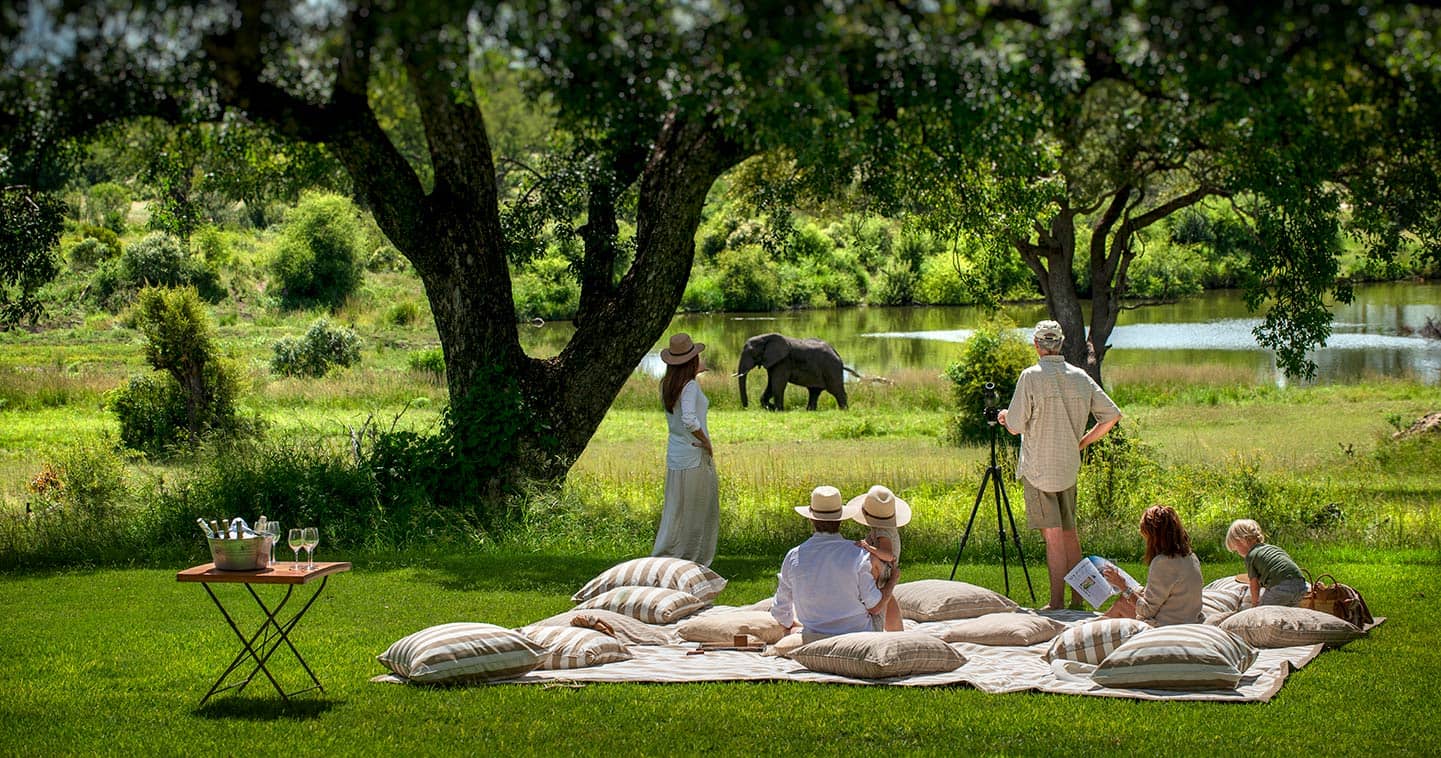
745	402
747	363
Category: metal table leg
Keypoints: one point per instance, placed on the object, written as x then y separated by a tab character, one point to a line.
269	636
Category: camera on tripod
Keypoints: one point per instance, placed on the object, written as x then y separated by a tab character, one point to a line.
992	399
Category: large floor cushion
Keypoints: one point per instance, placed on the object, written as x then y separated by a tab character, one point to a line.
879	655
462	652
725	627
652	605
1177	657
1279	626
627	629
666	573
941	600
1014	629
573	647
1092	641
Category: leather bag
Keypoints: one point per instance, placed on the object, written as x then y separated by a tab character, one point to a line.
1339	600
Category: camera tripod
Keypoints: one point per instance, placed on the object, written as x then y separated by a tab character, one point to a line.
993	474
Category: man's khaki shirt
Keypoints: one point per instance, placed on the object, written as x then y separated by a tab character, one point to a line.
1052	404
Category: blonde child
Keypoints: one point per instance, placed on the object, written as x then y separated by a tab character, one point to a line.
1275	579
885	514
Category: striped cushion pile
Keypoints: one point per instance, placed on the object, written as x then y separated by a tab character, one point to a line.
1279	626
1177	657
666	573
653	605
940	600
572	647
462	652
1091	642
878	655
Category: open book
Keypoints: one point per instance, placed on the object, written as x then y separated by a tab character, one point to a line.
1086	579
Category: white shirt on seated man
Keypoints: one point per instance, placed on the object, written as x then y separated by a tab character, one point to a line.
825	582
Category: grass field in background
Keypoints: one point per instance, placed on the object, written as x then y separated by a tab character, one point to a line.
115	661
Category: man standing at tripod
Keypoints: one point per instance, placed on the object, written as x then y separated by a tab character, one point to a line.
1052	403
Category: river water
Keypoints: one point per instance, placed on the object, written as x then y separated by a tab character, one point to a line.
1377	334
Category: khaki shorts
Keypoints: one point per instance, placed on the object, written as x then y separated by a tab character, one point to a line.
1049	510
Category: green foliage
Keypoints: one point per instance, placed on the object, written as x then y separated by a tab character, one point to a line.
202	386
110	238
748	279
322	348
106	205
157	260
994	353
213	247
896	284
941	284
403	313
386	258
30	225
317	256
429	362
1166	273
545	288
81	510
89	252
703	293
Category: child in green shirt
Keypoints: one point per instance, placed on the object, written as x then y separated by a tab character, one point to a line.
1268	567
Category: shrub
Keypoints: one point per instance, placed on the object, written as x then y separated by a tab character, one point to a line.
107	204
703	293
896	284
157	260
386	258
214	249
81	511
403	313
89	252
941	284
1166	272
317	256
102	234
994	353
193	394
430	362
545	289
322	348
748	279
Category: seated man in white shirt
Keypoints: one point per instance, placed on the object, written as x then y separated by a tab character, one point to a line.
825	582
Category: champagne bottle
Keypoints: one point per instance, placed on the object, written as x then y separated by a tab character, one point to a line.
204	527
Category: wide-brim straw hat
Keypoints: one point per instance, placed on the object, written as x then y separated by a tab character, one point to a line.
826	505
681	349
880	507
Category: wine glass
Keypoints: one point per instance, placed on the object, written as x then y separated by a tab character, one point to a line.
272	532
311	537
296	539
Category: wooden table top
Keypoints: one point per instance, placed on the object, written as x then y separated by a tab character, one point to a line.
280	572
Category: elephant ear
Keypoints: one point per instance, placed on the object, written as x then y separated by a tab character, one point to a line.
777	349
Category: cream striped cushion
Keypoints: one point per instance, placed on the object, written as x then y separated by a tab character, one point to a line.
1092	641
572	647
878	655
627	629
723	627
1014	629
941	600
462	652
668	573
1177	657
1279	626
1215	602
652	605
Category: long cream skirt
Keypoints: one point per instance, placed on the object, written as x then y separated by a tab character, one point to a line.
690	522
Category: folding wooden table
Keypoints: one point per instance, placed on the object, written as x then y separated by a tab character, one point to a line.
262	644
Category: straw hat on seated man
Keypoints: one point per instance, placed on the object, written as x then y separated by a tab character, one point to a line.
825	583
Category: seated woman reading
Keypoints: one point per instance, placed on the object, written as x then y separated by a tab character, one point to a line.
1172	594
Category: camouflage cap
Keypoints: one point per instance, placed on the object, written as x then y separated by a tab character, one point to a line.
1048	334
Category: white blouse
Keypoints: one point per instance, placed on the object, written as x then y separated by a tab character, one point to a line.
690	415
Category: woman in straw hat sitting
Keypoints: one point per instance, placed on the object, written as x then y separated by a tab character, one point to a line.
690	521
885	514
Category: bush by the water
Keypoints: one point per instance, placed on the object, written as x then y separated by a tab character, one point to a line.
322	348
191	393
545	288
317	259
994	353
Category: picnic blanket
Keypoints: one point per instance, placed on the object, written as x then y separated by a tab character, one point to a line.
990	669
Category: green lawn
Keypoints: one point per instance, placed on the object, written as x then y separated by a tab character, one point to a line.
114	661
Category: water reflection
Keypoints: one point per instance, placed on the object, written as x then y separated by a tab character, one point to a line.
1374	335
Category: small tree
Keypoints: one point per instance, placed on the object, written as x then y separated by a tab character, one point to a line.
997	354
30	224
317	260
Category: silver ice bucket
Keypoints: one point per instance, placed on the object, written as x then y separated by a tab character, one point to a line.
246	554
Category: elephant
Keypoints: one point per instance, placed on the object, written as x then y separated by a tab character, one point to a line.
809	363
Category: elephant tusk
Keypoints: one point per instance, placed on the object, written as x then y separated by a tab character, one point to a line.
738	374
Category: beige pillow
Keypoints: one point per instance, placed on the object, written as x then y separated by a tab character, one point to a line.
1013	629
941	600
1092	641
760	605
627	629
1279	626
723	627
462	652
878	655
1215	602
666	573
652	605
573	647
1177	657
786	645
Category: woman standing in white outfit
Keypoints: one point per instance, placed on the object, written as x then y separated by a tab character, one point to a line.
690	522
